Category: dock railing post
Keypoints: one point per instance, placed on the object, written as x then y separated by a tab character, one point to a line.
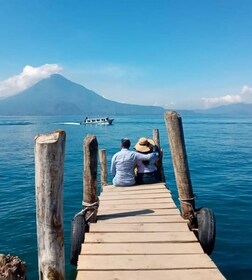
103	167
157	142
49	172
90	197
180	164
156	137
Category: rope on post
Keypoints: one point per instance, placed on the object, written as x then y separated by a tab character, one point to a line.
185	201
90	207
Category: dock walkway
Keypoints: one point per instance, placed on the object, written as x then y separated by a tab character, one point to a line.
140	234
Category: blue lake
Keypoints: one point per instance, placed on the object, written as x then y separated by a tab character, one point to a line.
219	150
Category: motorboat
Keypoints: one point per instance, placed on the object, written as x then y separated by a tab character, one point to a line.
105	120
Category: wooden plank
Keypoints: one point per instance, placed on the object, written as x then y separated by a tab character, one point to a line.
156	212
137	201
124	213
146	262
138	249
111	213
142	219
137	206
112	188
138	227
134	237
188	274
134	192
136	196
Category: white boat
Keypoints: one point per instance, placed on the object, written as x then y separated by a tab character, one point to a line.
105	120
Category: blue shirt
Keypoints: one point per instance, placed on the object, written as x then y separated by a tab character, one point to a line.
123	164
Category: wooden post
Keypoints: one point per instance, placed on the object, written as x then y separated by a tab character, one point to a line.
11	267
180	164
49	171
156	137
157	142
90	176
103	166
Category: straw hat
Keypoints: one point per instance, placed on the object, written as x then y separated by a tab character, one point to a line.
151	141
144	145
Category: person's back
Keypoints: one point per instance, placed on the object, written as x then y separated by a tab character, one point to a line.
124	162
147	172
146	166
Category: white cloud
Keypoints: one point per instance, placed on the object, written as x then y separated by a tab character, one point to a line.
245	96
29	76
223	100
246	89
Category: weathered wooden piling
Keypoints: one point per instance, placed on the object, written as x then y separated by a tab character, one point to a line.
160	165
156	137
103	168
11	267
49	171
90	197
180	164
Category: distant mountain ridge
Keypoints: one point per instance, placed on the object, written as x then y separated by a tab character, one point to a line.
234	109
57	95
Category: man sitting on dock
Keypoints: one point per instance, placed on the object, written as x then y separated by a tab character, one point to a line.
124	162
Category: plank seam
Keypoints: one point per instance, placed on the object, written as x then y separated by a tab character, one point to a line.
140	242
148	269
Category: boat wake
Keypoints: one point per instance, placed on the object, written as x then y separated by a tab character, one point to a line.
70	123
15	123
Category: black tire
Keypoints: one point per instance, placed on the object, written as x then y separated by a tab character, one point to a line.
78	227
206	229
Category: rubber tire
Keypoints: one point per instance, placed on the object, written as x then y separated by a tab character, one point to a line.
206	229
78	228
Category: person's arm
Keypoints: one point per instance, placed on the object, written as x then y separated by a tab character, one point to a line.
113	169
141	156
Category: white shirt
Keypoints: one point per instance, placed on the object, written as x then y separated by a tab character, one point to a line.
143	168
123	164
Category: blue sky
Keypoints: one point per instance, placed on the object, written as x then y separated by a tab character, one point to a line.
177	54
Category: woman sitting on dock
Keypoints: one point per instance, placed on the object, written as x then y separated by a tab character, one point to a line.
147	171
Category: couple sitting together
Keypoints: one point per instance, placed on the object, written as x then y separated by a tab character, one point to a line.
142	160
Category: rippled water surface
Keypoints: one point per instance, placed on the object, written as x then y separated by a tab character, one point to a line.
219	150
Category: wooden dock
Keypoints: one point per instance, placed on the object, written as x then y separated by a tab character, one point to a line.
140	234
134	232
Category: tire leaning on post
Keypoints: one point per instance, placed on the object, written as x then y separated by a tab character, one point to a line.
90	202
206	229
78	228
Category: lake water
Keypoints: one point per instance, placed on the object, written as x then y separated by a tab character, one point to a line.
219	150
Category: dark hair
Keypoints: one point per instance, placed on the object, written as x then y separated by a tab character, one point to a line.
125	143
